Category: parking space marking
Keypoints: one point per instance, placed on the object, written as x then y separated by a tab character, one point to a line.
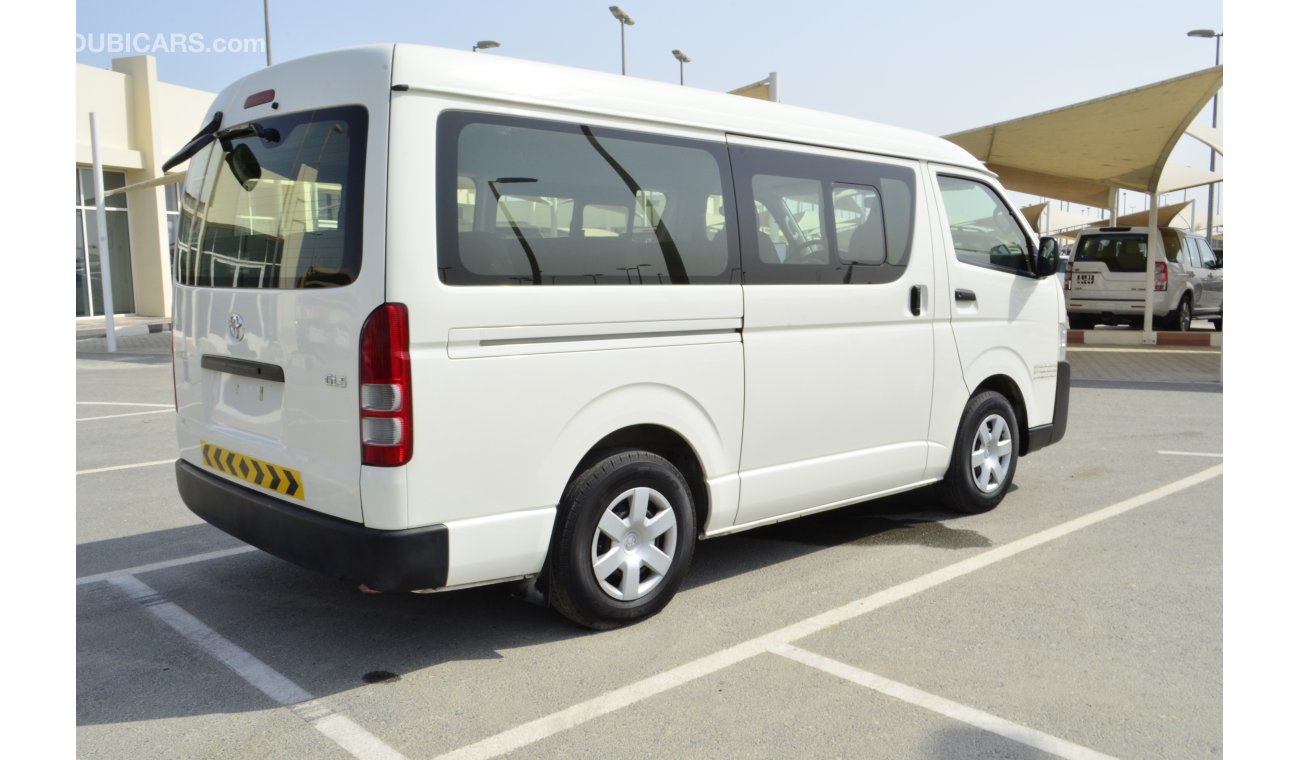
541	728
338	728
126	466
936	704
142	569
128	414
1190	454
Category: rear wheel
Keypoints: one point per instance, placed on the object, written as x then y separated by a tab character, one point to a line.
984	457
1181	318
624	540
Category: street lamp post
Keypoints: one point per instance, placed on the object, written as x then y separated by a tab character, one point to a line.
624	21
484	45
1214	123
682	60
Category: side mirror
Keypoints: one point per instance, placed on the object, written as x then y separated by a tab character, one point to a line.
1049	252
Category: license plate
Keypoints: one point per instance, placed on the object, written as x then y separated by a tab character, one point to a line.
1084	279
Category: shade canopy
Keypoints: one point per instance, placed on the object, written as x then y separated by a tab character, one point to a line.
1080	152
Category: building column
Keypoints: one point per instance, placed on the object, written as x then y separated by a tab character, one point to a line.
147	208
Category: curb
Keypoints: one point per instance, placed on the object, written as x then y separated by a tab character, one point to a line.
125	332
1134	338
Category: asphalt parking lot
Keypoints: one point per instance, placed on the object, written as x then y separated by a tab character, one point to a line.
1082	618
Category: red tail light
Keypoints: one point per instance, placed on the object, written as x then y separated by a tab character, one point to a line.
1162	276
1069	273
386	421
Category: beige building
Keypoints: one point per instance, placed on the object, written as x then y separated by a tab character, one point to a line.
142	122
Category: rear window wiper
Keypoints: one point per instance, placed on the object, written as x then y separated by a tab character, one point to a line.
196	143
213	131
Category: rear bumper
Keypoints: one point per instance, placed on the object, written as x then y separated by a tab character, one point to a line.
1046	435
1121	307
385	560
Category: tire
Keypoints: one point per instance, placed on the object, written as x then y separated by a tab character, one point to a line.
631	511
984	456
1080	322
1218	323
1180	319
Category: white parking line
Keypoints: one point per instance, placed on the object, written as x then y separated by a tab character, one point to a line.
969	715
126	466
141	569
340	729
536	730
169	410
1190	454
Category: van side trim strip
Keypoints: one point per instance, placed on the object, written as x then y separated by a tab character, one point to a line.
464	343
243	367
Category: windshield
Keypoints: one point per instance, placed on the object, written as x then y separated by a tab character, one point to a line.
278	206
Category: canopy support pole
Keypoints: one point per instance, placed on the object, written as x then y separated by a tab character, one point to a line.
1155	252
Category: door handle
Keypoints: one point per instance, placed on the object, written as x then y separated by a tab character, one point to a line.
916	300
963	294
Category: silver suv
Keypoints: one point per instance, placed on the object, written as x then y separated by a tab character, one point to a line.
1106	279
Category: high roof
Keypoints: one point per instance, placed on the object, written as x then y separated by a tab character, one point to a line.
1078	153
459	73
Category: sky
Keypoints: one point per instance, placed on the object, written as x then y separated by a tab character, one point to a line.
935	66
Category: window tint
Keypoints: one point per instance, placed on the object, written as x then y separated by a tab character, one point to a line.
551	203
294	223
984	230
1119	251
820	219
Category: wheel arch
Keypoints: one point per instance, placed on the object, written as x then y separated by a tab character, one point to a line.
1010	390
661	440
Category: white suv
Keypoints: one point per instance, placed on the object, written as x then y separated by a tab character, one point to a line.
1106	280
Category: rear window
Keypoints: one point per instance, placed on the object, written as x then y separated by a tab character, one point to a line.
1125	251
292	220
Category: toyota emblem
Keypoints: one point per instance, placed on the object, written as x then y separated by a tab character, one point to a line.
236	324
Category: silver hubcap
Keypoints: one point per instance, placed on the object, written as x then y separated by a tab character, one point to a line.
634	544
990	456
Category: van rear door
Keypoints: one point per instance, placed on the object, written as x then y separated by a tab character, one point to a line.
272	290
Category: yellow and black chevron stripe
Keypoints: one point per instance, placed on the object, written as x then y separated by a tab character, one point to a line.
282	480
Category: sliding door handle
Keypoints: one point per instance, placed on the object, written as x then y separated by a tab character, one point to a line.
965	295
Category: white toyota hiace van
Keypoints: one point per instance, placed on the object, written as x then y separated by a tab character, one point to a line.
445	319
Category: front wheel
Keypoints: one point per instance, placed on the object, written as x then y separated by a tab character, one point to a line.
984	456
625	536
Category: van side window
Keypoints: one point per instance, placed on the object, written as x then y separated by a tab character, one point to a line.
983	228
569	204
822	219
